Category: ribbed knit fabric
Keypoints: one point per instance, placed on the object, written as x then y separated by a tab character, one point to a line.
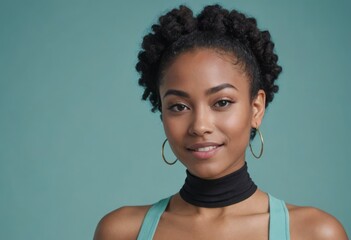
220	192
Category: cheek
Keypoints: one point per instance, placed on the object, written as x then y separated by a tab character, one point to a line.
174	129
236	125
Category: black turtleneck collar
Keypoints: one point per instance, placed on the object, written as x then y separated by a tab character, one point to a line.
220	192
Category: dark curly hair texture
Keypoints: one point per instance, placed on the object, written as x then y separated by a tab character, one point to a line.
217	28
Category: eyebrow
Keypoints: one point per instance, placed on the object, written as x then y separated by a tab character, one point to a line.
219	88
208	91
176	93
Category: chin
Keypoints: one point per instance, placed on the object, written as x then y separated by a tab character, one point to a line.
213	169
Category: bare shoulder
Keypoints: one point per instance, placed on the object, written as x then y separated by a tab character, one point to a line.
313	223
122	223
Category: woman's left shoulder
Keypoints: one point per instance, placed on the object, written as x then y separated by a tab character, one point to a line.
313	223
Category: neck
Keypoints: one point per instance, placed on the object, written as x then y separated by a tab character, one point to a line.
221	192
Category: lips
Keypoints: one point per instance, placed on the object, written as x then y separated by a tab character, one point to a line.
203	147
204	150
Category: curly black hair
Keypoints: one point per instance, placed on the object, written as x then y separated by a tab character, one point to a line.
217	28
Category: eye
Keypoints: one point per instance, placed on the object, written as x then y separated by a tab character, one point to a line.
178	107
223	103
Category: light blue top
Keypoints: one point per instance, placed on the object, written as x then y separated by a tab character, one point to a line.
278	220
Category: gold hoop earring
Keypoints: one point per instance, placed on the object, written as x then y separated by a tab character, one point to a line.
163	154
261	151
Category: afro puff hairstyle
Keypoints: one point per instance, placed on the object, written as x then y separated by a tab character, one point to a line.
216	28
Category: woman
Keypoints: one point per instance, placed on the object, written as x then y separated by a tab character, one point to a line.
212	77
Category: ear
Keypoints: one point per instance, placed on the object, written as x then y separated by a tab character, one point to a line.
258	108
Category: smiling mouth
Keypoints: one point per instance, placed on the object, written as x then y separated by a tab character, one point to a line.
204	148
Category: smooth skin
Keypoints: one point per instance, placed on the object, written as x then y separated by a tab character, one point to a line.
206	101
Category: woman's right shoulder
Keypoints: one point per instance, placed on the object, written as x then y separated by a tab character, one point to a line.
122	223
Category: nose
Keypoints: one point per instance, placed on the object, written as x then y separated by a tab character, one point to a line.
201	123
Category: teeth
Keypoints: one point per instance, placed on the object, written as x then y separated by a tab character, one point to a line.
205	149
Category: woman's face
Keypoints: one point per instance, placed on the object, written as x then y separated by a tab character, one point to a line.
207	113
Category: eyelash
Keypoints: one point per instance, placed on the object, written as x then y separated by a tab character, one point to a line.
227	103
174	107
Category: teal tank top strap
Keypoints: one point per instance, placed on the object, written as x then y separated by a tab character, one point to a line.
278	220
152	218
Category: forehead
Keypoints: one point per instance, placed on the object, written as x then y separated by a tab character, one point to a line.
204	68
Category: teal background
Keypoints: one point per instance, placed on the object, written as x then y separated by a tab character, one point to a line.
76	141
